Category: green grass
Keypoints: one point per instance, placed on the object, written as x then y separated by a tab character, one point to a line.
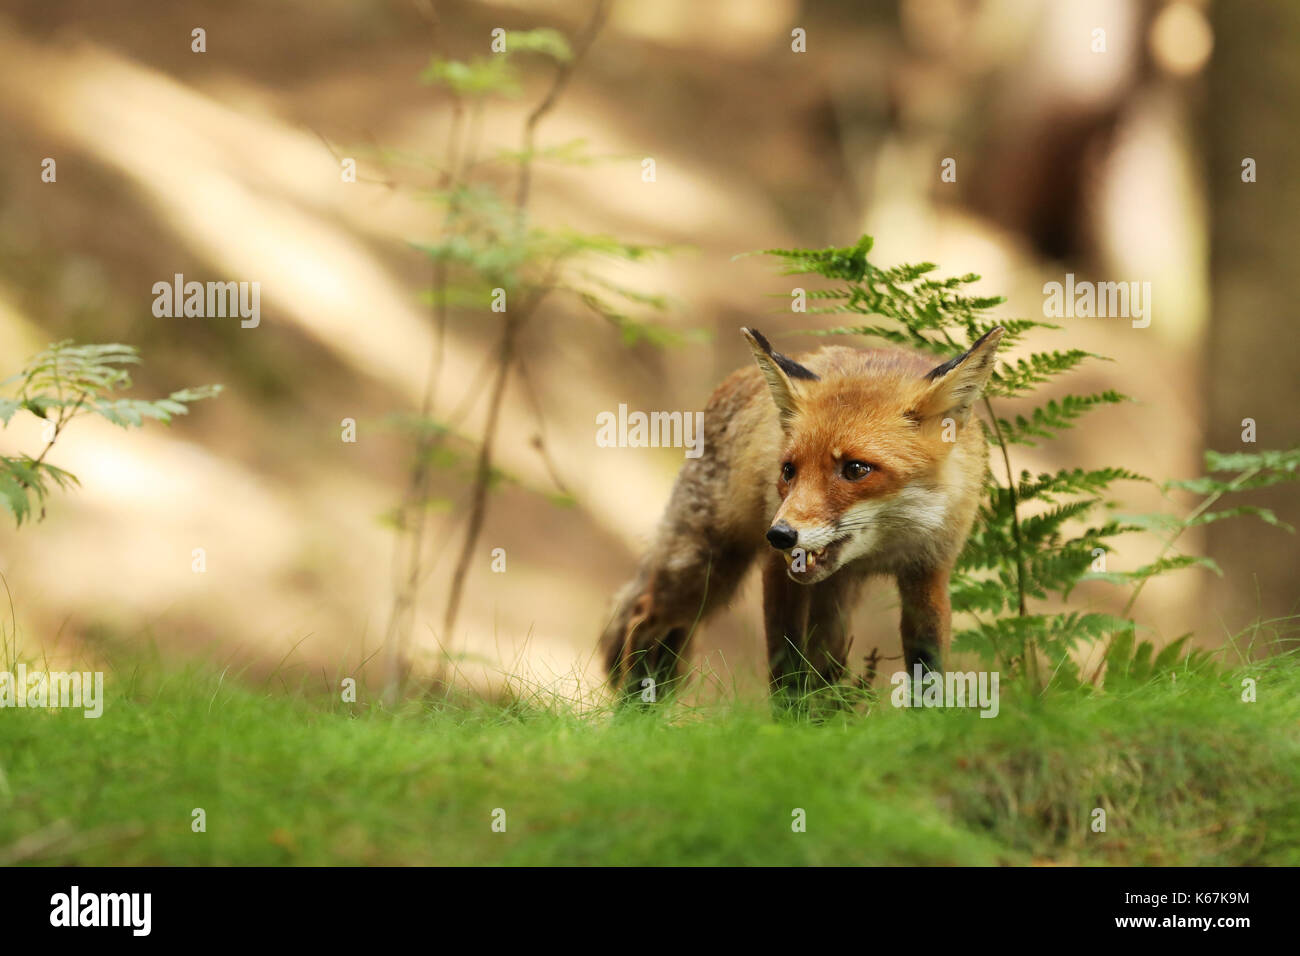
1187	772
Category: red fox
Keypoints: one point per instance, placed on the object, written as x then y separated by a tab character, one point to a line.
860	463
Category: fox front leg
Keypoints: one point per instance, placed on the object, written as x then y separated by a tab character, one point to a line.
926	620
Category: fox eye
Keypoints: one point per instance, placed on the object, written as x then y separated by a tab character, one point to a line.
787	472
856	470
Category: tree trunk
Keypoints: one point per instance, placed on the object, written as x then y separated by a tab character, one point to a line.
1253	362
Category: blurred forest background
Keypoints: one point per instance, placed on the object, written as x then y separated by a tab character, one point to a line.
1122	165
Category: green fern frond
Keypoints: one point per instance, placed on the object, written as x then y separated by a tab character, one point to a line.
1012	379
1045	422
1009	558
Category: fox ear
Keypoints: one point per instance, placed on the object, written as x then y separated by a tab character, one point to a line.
779	372
959	382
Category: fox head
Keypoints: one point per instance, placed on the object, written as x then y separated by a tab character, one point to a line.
870	458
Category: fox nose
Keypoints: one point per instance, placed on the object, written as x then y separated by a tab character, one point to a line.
781	536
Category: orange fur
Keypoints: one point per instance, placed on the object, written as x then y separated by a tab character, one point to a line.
780	441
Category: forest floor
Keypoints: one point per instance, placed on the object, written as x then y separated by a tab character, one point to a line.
1185	770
